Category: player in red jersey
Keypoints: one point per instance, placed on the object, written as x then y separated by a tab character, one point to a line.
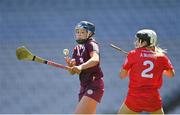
86	62
145	66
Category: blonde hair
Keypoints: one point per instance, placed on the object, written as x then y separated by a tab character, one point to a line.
160	50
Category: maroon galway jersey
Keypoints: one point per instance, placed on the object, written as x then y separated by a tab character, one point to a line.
81	54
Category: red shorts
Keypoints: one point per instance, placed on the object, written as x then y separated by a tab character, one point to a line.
145	100
93	89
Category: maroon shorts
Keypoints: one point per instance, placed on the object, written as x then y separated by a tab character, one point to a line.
93	89
148	101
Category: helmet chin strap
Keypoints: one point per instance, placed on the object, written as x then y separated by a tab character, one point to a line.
90	36
82	41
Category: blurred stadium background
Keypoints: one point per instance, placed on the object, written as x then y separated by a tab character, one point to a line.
46	27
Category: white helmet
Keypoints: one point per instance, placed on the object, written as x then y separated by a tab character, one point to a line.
147	35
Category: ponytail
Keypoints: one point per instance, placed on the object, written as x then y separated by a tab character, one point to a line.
160	50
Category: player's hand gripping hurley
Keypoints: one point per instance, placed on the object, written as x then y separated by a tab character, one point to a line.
23	53
71	62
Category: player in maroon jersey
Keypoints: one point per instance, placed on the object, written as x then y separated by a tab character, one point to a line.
86	62
145	66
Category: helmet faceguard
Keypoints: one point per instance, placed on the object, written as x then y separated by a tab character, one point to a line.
89	27
147	35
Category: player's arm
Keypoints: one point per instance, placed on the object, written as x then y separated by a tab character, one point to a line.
169	73
93	61
70	62
169	69
123	73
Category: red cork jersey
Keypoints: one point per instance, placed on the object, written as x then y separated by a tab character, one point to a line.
146	68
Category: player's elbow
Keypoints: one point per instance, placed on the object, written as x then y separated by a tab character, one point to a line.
123	74
170	73
95	60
